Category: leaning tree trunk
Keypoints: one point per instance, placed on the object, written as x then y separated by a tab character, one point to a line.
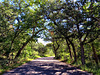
75	57
19	51
69	49
94	53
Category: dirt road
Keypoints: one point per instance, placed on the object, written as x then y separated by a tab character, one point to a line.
46	66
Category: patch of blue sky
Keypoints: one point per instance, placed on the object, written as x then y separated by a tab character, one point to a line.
1	0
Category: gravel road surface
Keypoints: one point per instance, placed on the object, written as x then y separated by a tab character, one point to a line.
46	66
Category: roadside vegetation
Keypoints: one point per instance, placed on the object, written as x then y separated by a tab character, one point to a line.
32	51
73	27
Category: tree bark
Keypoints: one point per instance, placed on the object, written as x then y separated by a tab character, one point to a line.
55	49
82	53
94	53
81	45
75	57
69	49
19	51
53	40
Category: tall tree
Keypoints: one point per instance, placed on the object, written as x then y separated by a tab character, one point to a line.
26	19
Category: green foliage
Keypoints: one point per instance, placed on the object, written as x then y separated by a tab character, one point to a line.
31	51
22	22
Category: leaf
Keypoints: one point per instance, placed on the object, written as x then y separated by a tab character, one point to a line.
86	5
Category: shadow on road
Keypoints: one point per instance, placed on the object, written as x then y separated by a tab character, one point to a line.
46	66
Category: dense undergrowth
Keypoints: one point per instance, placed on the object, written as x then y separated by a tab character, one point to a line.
7	65
28	54
73	27
90	66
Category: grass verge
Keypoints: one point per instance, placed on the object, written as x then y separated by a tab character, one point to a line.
90	66
9	67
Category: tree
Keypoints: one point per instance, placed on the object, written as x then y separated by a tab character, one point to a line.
61	21
78	24
27	23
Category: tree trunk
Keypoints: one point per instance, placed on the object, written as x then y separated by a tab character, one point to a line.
94	53
82	53
55	52
55	49
69	49
19	52
81	45
75	57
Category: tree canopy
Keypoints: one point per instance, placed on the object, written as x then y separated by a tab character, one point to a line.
73	27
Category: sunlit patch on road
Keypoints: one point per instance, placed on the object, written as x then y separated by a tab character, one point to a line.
46	66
